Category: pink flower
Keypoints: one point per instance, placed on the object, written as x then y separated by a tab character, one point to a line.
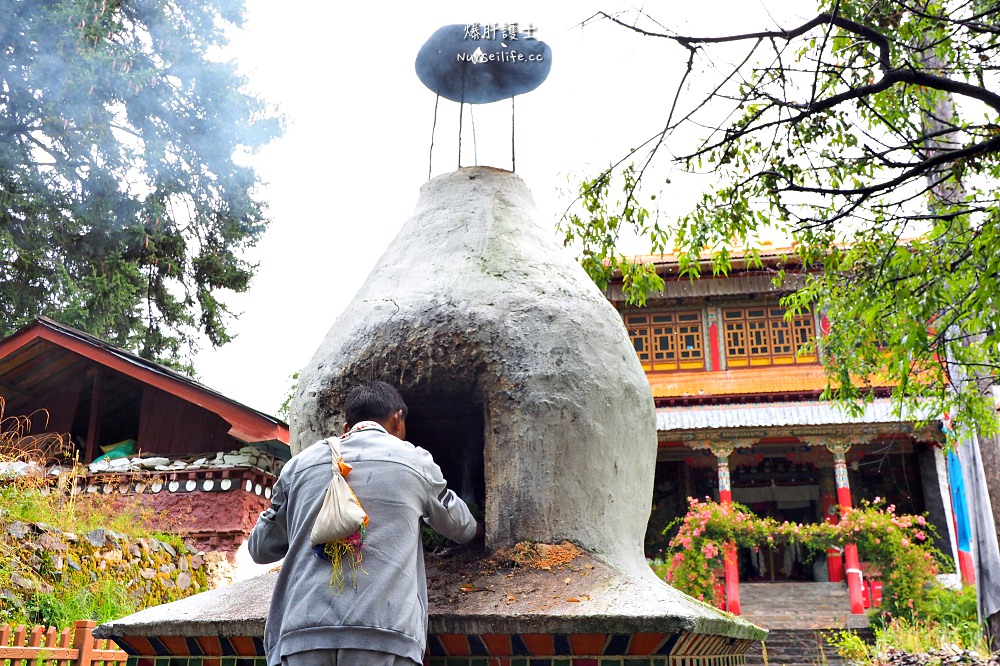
920	536
921	521
904	542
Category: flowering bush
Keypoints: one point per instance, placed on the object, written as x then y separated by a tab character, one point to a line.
898	546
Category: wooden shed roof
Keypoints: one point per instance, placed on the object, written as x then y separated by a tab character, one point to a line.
46	356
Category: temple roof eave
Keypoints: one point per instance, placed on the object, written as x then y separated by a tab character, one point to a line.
744	424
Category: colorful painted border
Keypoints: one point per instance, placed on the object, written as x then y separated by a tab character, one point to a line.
639	649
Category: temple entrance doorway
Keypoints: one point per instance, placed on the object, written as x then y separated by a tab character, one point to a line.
793	480
778	487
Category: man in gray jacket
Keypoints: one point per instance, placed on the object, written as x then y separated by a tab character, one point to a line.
379	618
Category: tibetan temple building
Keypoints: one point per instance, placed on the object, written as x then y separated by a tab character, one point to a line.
739	419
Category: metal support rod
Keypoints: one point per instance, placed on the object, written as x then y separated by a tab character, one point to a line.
430	154
475	146
513	162
461	113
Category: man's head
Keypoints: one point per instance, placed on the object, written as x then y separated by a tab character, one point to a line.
379	402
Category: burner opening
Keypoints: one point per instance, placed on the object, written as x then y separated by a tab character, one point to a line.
451	427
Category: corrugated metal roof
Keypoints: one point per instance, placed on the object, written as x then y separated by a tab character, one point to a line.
772	414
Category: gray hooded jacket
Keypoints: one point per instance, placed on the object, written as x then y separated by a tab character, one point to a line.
397	484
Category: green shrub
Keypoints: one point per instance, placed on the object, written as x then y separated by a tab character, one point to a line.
850	646
945	618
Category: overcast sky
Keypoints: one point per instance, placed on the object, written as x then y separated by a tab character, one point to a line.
346	175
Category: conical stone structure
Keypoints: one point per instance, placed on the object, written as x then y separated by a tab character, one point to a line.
521	380
474	307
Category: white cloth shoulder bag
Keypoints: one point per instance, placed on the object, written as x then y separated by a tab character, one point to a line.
341	514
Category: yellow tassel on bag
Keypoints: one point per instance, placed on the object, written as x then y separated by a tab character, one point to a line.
346	549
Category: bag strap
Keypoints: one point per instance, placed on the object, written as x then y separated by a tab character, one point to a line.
334	443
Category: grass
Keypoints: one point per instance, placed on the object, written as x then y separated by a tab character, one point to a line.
34	501
950	621
79	598
63	594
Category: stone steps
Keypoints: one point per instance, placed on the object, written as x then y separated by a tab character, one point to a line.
797	616
796	605
794	648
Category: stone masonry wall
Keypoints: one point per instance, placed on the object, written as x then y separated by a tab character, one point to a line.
152	571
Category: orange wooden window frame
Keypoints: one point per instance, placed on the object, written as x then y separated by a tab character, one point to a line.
760	335
667	340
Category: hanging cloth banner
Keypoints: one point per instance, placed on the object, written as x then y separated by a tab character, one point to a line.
959	503
986	553
960	510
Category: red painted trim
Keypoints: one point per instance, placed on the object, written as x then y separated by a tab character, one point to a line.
589	644
455	645
244	646
498	645
17	341
539	644
210	645
245	424
844	499
967	568
176	645
853	569
735	398
834	565
136	645
730	564
713	346
642	643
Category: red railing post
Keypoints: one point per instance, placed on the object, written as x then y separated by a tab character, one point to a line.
47	646
83	641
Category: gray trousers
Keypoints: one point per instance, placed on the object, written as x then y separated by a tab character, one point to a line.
345	657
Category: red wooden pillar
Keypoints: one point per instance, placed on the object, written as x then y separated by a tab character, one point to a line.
729	551
829	514
713	346
851	561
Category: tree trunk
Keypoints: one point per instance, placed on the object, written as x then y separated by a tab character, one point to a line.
989	449
947	190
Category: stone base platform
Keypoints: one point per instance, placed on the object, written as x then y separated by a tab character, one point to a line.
580	613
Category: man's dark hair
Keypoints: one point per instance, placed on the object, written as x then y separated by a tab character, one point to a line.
372	401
